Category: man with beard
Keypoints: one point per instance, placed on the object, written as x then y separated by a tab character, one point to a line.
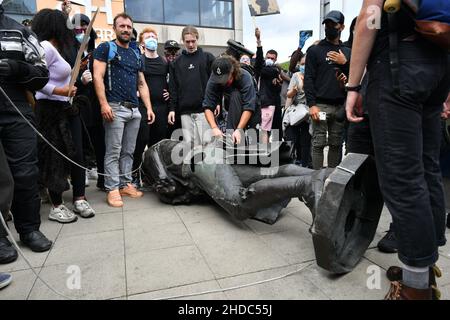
325	95
119	107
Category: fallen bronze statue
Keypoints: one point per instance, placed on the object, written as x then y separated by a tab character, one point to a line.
345	202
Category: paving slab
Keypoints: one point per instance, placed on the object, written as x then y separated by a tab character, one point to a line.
86	247
165	268
20	286
234	256
187	290
100	279
293	287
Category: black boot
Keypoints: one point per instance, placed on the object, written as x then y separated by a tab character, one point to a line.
36	241
7	252
388	244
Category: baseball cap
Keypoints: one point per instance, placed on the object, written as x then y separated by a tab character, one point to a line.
220	71
335	16
171	44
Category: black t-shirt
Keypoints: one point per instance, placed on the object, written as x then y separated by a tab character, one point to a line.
156	73
405	27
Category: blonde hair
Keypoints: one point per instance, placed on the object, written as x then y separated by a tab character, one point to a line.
146	30
189	30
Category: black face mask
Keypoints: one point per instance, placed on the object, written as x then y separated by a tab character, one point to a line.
332	33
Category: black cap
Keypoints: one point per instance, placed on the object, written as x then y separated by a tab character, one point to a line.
171	44
220	71
335	16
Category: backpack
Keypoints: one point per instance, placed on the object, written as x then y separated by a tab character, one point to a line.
432	18
112	55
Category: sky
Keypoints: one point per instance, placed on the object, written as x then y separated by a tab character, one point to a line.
280	32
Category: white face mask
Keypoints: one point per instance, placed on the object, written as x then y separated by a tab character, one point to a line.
269	62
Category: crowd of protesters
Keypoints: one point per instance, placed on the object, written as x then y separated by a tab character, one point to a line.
128	98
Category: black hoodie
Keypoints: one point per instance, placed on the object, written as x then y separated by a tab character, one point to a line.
321	85
189	74
28	66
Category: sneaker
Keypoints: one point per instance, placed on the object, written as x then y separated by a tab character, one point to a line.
62	214
131	191
5	280
86	180
92	174
83	208
114	199
388	244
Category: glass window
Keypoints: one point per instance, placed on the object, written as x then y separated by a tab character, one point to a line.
20	9
216	13
181	12
145	11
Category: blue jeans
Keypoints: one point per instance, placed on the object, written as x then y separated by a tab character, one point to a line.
406	135
120	141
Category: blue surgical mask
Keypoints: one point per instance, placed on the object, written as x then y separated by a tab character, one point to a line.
80	37
151	44
301	69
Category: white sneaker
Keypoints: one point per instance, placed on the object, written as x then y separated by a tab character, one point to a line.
62	214
83	208
86	181
92	174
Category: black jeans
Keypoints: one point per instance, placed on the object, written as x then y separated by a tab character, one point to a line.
149	135
77	174
20	145
300	137
406	134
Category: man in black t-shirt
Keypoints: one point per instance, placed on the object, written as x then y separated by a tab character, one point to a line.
156	70
406	132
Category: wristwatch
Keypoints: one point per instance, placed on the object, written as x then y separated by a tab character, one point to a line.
352	88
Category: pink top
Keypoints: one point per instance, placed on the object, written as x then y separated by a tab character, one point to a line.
59	72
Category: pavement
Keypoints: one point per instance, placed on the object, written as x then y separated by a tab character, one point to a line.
150	250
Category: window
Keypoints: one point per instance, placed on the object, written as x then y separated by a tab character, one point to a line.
20	9
181	12
215	13
202	13
144	10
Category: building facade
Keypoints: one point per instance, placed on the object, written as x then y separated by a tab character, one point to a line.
216	20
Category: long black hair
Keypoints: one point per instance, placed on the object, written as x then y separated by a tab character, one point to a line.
51	24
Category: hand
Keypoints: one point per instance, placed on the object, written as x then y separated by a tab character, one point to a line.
65	91
236	136
446	110
166	95
150	116
86	77
353	107
336	57
171	117
217	111
342	78
314	113
66	7
258	34
216	132
107	113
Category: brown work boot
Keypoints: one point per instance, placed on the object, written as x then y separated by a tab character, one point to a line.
131	191
395	273
398	291
114	199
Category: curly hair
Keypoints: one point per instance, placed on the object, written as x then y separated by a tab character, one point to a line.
49	24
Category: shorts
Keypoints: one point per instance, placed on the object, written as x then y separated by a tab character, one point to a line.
267	117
